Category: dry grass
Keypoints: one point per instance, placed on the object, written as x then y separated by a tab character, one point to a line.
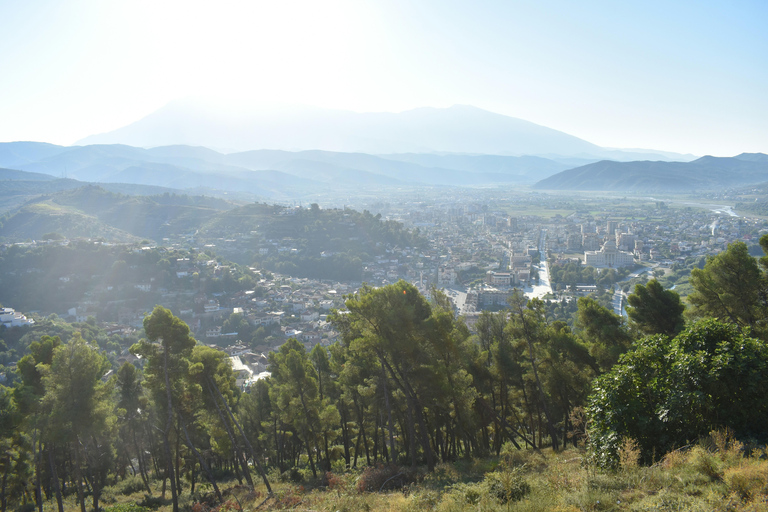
715	475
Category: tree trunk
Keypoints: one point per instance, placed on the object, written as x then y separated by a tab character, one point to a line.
177	460
410	394
203	465
247	442
38	484
237	452
3	499
345	435
55	478
166	433
79	477
411	435
389	411
139	456
539	387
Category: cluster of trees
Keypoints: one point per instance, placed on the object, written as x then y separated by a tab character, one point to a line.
66	426
573	273
408	382
352	236
32	276
679	382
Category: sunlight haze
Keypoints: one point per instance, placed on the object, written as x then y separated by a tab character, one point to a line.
688	77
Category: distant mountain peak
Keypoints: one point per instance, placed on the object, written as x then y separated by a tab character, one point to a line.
753	157
456	129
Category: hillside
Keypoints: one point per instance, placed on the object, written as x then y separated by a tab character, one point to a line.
19	187
319	243
92	212
705	173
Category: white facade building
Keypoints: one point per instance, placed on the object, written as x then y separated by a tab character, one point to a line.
10	318
608	256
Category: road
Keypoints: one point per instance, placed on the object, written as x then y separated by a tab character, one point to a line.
459	298
544	286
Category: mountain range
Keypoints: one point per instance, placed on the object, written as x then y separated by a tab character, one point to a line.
705	173
271	174
460	129
27	168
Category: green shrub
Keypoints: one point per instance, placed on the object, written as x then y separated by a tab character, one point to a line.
471	494
426	500
151	502
705	463
125	507
506	486
130	485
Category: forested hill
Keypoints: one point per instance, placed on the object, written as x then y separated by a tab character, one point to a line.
93	212
314	242
705	173
302	242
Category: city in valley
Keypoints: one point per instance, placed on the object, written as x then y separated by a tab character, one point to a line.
476	245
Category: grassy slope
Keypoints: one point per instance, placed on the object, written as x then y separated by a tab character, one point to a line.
711	476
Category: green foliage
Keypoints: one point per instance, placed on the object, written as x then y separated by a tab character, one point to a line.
655	310
352	237
665	393
730	288
126	507
572	273
56	278
506	486
603	331
130	485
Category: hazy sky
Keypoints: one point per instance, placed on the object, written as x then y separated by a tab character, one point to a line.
685	76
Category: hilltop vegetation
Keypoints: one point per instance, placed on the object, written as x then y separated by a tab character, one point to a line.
329	244
92	212
56	277
317	243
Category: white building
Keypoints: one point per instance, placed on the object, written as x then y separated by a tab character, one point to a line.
608	256
10	318
498	278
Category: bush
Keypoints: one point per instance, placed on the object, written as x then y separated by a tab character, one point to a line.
125	507
150	502
629	454
506	486
664	392
705	463
747	481
292	475
426	500
468	493
333	481
130	485
382	477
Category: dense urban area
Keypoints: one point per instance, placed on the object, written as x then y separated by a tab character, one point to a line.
477	247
